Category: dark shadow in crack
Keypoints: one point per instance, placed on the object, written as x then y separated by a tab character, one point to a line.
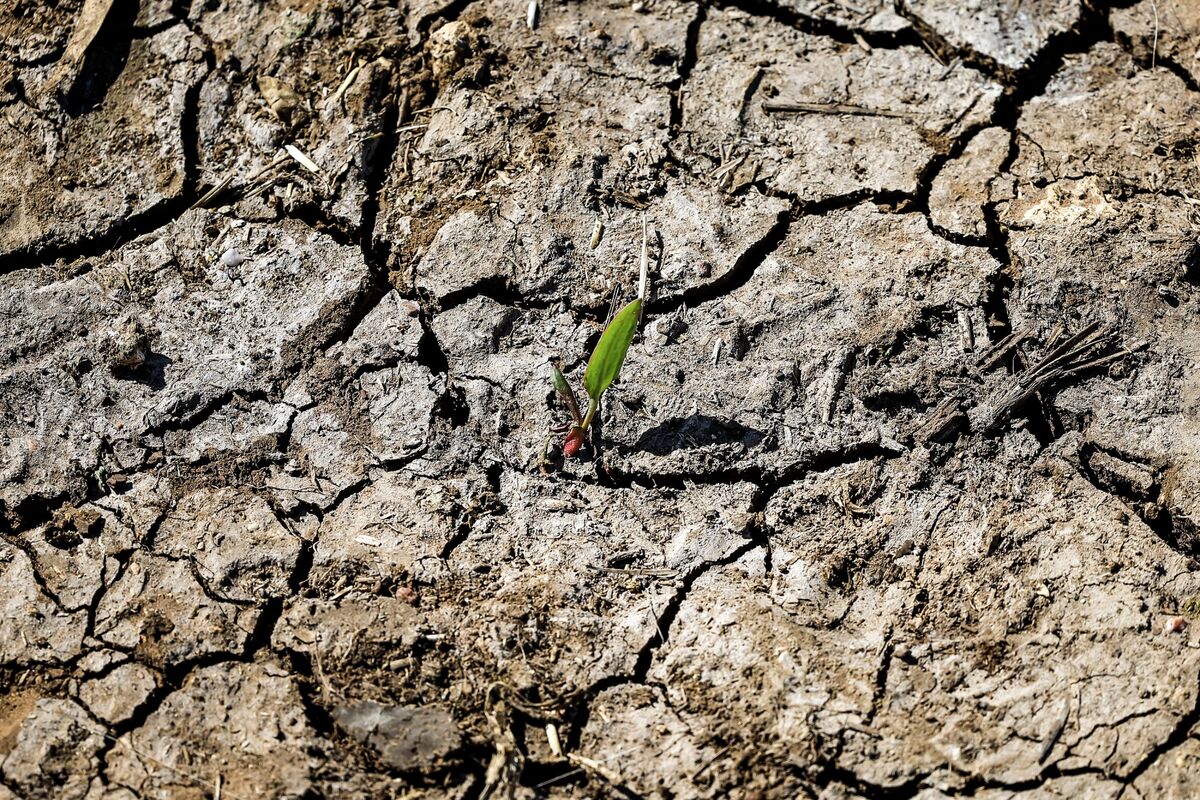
696	431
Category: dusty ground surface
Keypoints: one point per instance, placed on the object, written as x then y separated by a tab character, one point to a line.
897	496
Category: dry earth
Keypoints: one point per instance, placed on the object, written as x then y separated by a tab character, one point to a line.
897	496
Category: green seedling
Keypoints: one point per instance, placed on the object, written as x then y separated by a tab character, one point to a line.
605	364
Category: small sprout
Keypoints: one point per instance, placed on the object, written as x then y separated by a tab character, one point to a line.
607	359
609	355
573	442
568	397
574	439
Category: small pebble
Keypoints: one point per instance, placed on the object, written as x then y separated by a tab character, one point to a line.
231	258
1176	625
638	40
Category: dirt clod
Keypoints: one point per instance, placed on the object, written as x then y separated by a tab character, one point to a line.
896	495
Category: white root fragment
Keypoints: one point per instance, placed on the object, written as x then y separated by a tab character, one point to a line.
531	15
553	740
302	159
346	83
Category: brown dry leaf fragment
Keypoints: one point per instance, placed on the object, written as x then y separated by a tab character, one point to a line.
91	18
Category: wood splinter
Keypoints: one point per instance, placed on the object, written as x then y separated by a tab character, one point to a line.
796	107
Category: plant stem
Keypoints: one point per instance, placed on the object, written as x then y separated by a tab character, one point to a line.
593	407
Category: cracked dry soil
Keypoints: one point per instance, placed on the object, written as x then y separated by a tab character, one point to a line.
896	498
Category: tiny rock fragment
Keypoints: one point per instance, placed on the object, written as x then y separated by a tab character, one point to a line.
637	39
231	258
77	522
129	347
280	98
448	47
115	696
966	331
1176	625
407	737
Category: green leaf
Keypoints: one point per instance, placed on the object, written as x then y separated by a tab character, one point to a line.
609	354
